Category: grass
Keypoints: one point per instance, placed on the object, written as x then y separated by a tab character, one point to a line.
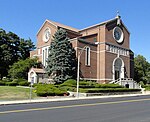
15	93
147	88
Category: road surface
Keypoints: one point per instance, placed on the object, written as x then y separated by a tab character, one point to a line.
125	109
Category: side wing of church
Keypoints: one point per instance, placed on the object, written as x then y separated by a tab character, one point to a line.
106	57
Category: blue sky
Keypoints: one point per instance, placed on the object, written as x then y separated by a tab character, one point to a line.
25	17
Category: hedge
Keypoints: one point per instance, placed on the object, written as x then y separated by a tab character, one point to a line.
84	86
67	88
106	90
20	80
2	83
7	80
24	83
70	82
108	86
48	90
11	83
89	84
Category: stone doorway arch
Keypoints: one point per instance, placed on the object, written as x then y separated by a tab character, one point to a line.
118	68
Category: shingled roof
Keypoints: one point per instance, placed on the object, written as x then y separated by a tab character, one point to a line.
38	70
56	24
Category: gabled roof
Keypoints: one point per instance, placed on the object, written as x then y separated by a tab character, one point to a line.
38	70
63	26
103	23
56	24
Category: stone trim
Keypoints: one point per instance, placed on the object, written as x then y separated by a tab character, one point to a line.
85	49
101	79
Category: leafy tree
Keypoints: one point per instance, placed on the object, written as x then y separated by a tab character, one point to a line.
61	63
12	49
20	69
141	69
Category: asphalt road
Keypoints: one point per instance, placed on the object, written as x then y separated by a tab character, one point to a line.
125	109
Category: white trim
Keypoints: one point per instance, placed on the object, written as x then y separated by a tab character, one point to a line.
120	32
34	75
102	23
97	25
97	79
101	51
105	79
38	55
73	39
87	57
121	73
44	24
117	53
45	33
45	56
85	49
43	46
108	43
39	51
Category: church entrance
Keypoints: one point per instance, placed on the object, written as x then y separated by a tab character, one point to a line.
117	75
118	69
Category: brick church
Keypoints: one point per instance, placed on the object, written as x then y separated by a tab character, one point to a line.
106	54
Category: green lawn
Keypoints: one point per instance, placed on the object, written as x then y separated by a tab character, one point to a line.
15	93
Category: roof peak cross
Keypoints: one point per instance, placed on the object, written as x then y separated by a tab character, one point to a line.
118	16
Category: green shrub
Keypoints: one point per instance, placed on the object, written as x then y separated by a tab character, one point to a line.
11	83
147	88
87	83
2	83
106	90
67	88
6	80
48	90
85	86
70	82
58	92
108	86
34	85
84	83
24	83
20	80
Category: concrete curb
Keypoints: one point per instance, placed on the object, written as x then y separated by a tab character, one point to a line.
64	99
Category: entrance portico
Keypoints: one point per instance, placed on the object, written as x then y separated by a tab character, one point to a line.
118	68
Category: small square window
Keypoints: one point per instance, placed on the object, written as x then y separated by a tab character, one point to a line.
95	40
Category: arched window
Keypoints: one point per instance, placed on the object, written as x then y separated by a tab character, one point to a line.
87	56
118	63
43	57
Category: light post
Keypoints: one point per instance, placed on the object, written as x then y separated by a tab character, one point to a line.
78	71
78	68
32	82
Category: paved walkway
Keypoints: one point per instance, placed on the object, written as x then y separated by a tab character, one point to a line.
66	98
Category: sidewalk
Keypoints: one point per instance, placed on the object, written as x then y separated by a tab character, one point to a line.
66	98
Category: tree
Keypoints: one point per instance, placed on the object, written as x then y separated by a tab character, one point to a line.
12	48
141	69
20	69
61	63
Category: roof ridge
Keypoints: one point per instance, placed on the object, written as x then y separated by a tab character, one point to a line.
63	26
101	23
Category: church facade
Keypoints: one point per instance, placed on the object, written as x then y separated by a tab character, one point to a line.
106	54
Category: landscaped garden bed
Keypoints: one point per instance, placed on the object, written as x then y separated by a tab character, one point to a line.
85	87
